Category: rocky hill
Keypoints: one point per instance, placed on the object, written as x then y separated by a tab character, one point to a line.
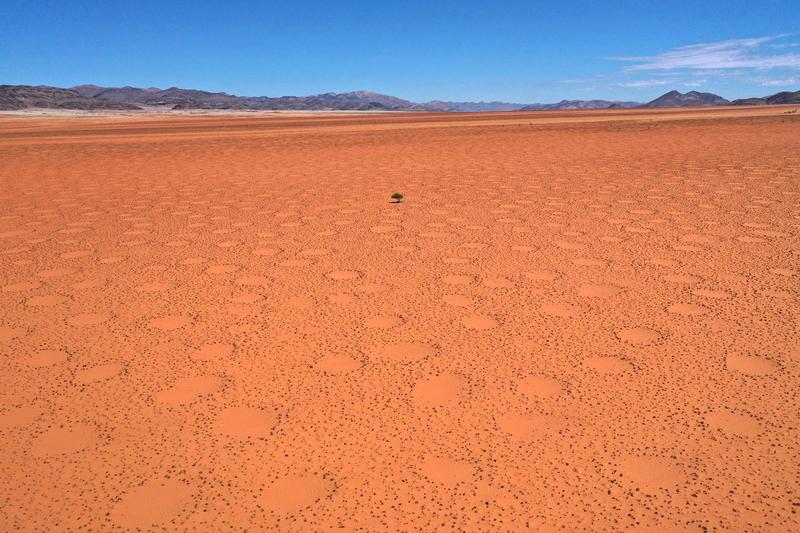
690	99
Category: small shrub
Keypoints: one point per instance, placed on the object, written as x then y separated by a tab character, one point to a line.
397	197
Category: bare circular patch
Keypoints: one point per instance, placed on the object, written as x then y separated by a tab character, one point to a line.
244	422
56	272
8	333
446	471
63	440
407	352
45	301
598	291
733	423
748	238
294	493
435	234
98	373
21	286
186	390
540	385
19	416
457	280
650	473
636	229
781	295
498	283
457	300
372	288
541	275
88	319
253	281
170	322
529	426
242	310
479	322
751	365
156	286
639	336
248	298
341	275
222	269
337	364
213	352
154	503
341	298
438	391
47	358
383	322
569	245
91	283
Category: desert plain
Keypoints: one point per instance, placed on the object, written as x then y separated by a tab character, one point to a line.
573	320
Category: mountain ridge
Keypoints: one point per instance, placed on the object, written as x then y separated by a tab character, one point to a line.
127	98
783	97
581	104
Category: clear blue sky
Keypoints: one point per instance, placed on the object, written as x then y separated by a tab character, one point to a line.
518	51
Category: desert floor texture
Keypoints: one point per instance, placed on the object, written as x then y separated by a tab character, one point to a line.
585	321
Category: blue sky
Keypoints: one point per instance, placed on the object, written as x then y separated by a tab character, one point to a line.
518	51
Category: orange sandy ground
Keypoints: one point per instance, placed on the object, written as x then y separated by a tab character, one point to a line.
576	320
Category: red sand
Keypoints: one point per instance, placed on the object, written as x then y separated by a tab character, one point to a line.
574	320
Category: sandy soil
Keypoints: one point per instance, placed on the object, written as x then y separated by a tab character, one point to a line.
574	320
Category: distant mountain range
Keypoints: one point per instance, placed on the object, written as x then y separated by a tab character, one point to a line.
581	104
93	97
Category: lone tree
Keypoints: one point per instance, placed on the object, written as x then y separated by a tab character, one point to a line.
397	197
